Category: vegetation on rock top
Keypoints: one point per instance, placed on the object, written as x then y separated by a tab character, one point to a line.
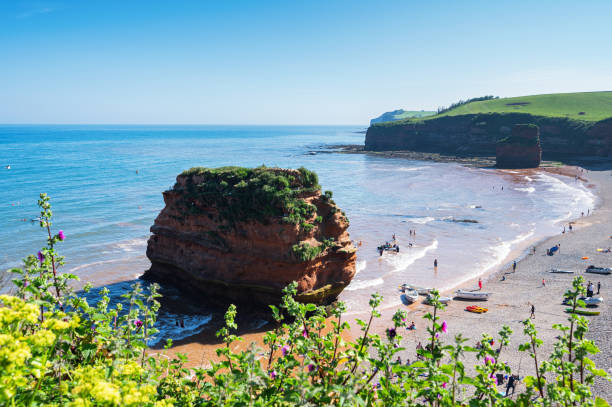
252	194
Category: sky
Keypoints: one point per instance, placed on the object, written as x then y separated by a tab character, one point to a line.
288	62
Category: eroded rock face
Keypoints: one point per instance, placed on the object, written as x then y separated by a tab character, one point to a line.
521	149
241	235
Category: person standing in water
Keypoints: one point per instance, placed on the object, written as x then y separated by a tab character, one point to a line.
514	266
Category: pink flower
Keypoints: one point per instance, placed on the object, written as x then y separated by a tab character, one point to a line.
494	377
489	359
311	367
444	385
305	333
285	350
60	234
41	258
444	327
273	374
138	323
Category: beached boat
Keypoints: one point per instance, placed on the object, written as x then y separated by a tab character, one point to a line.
476	309
472	295
420	290
409	296
599	270
582	311
592	301
561	271
443	300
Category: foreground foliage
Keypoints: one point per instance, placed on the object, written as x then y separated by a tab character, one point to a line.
56	349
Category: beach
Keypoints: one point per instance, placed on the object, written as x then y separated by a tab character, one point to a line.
509	302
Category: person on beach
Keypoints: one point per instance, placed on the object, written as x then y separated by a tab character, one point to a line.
534	250
598	287
480	284
412	327
559	248
543	283
563	230
532	311
590	289
511	384
570	227
514	266
581	213
435	263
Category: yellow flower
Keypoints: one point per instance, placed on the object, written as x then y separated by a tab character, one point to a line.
106	392
42	339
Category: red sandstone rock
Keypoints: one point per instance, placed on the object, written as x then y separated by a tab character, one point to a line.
521	149
250	261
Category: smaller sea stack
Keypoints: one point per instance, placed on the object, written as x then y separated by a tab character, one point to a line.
241	235
521	149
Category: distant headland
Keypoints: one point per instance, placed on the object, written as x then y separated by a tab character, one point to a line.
571	124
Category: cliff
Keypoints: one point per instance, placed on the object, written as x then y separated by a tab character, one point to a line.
477	134
521	149
241	235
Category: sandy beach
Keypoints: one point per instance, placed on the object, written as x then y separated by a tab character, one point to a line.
509	303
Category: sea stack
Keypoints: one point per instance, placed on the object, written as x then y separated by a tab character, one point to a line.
521	149
241	235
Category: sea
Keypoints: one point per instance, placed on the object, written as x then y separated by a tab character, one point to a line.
106	184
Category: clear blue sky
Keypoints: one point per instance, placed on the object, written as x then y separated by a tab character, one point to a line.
288	62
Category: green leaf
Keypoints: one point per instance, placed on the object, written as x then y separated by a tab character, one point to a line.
599	402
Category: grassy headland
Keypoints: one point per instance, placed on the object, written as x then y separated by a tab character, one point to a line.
570	124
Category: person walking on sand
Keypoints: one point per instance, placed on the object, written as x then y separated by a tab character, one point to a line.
598	287
570	227
543	283
514	267
480	284
511	385
435	263
532	311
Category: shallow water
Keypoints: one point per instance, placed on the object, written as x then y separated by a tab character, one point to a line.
106	184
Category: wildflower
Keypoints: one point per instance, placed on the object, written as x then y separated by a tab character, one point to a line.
138	323
60	234
489	359
93	328
311	367
273	374
444	385
391	332
41	257
444	327
285	350
305	333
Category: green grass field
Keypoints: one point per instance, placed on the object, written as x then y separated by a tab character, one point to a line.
413	113
594	106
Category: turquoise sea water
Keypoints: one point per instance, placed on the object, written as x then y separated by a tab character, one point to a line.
106	184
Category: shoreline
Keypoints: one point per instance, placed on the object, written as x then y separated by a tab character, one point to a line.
199	348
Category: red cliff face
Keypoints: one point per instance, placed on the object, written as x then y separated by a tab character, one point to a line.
228	243
520	150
